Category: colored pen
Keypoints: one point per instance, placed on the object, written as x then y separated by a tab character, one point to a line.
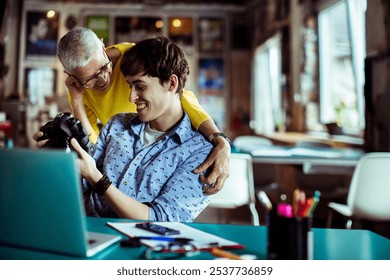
299	200
224	254
316	199
301	203
308	205
295	200
285	210
165	238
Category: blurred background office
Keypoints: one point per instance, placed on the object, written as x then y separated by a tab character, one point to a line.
286	70
258	66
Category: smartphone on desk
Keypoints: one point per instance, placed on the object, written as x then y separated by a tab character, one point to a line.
157	229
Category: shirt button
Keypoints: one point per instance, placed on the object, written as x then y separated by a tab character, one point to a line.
125	182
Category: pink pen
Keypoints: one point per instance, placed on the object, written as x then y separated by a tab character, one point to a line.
285	210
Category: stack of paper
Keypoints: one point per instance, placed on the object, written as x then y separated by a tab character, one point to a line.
201	239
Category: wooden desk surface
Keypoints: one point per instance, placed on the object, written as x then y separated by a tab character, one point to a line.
337	141
309	157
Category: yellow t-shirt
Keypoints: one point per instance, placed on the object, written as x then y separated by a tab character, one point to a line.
103	105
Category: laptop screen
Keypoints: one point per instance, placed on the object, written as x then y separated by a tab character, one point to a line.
41	202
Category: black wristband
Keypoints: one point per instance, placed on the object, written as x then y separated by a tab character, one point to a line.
217	134
102	185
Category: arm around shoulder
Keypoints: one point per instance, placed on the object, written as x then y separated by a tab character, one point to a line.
191	106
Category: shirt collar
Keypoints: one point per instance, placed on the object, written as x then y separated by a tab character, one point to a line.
180	133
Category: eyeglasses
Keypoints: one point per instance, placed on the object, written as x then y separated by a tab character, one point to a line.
91	81
170	251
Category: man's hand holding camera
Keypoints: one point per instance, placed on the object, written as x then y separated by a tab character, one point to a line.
58	133
87	164
40	143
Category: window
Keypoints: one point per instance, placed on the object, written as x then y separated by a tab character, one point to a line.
267	88
341	34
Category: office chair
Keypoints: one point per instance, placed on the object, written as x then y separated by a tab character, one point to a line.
238	189
369	192
264	174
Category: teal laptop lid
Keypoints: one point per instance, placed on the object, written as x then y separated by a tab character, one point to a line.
41	203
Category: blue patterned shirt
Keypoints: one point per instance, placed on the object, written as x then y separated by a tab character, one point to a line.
160	175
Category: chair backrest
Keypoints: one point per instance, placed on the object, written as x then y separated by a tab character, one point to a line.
264	174
369	192
238	189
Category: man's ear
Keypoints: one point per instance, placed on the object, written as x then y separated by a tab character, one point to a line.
173	83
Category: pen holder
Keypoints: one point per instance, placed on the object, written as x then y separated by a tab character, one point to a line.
289	238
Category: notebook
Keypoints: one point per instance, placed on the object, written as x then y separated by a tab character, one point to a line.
41	206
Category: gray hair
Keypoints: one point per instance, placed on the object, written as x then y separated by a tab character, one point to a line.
77	47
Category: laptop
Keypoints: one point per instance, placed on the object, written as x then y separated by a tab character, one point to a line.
41	205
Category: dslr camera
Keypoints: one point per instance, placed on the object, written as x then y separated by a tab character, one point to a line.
63	128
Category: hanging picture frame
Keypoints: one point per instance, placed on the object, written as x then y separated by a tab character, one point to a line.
100	25
211	76
40	85
134	28
211	34
180	30
41	34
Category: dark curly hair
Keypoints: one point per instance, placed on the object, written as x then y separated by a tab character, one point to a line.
156	57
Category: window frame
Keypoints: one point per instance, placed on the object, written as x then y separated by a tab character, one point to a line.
357	53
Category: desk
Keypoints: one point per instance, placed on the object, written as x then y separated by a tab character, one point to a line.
314	160
339	141
329	244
